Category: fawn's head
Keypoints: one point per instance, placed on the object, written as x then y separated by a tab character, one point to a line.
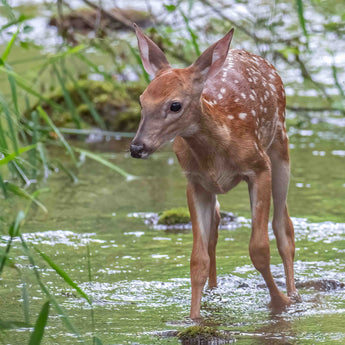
170	105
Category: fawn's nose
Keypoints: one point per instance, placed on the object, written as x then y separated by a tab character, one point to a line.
137	150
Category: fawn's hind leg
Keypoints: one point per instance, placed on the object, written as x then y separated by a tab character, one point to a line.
260	197
282	224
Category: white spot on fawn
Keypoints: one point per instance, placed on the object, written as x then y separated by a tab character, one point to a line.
242	116
252	97
210	103
253	112
273	87
243	95
220	96
230	117
236	81
223	90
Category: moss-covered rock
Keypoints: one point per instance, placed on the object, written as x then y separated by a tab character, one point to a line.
116	104
199	332
174	216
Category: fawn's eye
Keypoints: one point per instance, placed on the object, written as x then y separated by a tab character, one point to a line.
175	106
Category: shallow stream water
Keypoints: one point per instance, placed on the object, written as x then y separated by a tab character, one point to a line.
139	279
140	274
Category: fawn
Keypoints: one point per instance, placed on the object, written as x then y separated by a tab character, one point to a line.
226	114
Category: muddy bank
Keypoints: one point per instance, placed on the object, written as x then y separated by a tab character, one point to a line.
86	20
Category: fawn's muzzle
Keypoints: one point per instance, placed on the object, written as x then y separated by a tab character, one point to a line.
137	150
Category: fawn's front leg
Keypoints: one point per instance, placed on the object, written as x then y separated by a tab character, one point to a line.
260	198
202	208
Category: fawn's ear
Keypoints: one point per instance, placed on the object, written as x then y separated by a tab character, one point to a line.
213	58
152	57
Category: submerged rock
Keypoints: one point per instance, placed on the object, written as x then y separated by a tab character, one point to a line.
204	335
321	284
178	219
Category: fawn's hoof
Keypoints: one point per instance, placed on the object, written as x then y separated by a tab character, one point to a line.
279	303
295	297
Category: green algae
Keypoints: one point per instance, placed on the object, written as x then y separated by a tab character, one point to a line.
174	216
116	103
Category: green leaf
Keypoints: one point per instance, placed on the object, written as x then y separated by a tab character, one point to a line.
14	155
103	161
170	8
37	335
63	275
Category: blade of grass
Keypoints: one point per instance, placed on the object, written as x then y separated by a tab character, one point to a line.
90	131
33	154
13	86
3	142
14	155
23	193
300	11
63	275
94	67
18	169
140	63
68	172
9	46
61	312
96	341
86	100
13	231
23	84
3	186
42	153
20	19
37	335
25	297
47	119
10	124
193	35
71	106
106	163
4	325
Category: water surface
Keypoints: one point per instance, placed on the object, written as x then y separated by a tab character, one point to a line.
140	275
